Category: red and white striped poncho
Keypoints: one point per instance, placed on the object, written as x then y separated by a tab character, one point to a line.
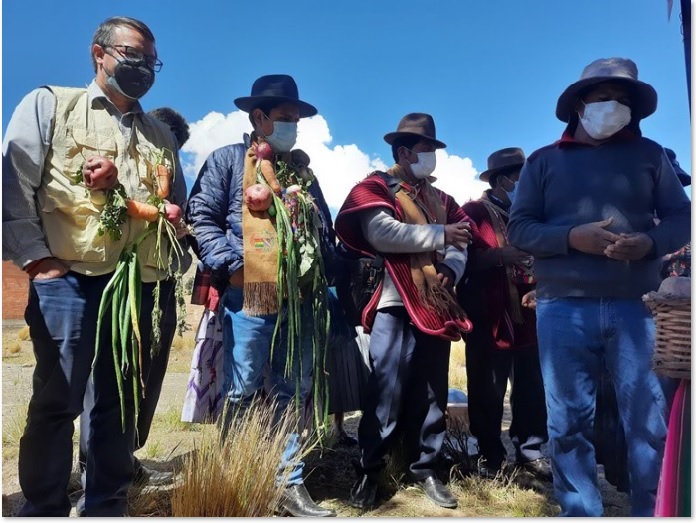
371	193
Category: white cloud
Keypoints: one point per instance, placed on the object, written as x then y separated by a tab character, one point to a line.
338	167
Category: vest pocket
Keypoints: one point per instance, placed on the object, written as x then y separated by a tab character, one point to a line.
72	236
69	217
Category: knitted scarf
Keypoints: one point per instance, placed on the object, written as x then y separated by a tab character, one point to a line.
260	245
422	205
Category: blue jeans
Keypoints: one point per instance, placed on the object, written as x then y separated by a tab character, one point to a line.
62	318
574	335
247	344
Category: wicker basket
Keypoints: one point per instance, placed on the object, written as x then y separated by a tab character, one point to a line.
672	357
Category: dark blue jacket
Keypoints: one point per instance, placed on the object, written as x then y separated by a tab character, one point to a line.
215	211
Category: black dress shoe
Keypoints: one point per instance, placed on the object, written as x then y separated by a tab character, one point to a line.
346	440
437	492
363	493
297	502
540	468
146	476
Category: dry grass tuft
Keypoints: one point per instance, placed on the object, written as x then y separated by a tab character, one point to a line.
457	368
23	333
235	478
13	347
500	497
13	427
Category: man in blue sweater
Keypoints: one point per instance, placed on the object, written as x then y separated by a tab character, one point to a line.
584	208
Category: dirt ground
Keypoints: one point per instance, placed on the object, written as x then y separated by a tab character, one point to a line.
329	473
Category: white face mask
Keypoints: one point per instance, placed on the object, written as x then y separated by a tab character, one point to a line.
604	119
425	165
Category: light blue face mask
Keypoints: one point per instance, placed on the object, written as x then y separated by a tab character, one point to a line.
283	137
511	193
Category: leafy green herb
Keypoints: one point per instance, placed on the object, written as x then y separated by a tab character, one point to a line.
113	215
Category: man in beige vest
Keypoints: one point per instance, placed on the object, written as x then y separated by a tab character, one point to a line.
51	231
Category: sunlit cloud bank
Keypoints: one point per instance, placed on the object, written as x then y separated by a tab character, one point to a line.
338	167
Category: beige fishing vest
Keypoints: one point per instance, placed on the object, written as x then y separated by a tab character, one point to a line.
69	212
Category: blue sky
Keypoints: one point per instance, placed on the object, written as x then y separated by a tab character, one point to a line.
490	72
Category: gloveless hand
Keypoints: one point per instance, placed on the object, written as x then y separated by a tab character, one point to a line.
631	247
512	255
529	300
446	277
458	235
47	269
592	238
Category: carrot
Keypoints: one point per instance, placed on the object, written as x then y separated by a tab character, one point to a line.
142	211
269	174
162	181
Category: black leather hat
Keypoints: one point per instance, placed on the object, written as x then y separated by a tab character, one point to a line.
274	88
415	124
605	70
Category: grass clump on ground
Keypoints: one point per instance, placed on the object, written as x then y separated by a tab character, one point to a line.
235	477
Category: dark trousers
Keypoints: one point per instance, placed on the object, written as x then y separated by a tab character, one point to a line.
153	381
407	388
488	370
62	317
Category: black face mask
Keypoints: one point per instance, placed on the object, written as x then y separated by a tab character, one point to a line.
131	78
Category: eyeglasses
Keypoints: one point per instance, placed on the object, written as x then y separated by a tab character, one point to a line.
131	53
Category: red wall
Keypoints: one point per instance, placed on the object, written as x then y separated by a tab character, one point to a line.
15	288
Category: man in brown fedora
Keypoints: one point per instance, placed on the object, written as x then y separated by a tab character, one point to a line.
238	237
422	235
584	209
503	343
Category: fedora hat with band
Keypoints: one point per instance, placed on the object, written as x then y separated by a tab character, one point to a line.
274	88
613	70
502	161
421	125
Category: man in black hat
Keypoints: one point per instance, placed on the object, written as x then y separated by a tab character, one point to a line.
237	227
422	235
584	209
503	343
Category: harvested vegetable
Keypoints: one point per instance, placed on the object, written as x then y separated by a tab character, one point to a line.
258	197
142	211
99	172
162	181
113	215
263	151
123	291
173	213
301	274
269	175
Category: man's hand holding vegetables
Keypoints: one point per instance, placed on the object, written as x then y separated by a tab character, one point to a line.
66	187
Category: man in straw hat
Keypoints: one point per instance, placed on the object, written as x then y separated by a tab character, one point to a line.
584	208
423	235
239	229
503	343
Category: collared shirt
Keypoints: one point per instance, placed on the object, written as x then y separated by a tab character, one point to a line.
26	143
